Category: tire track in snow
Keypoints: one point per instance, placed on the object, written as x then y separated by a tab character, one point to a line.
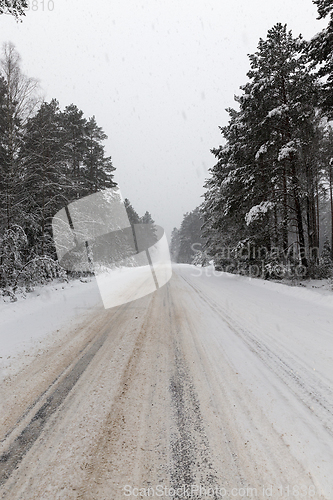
190	448
11	458
316	395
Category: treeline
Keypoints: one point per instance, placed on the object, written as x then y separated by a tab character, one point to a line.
48	158
268	202
186	242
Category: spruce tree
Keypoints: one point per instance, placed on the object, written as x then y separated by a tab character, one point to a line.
132	214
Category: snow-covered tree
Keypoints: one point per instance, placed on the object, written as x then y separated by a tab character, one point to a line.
147	218
132	214
320	52
46	183
263	188
325	165
97	168
15	8
190	237
174	244
73	128
19	103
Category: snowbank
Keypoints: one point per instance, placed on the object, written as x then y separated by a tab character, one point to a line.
42	313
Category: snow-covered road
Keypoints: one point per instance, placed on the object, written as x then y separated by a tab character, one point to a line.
215	386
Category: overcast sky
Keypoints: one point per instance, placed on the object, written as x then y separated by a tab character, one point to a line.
157	75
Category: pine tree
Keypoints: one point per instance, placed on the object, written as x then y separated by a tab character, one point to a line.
265	179
73	126
147	231
15	8
320	53
3	155
48	158
225	201
97	168
289	96
46	184
326	173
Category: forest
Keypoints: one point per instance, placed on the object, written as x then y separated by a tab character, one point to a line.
268	203
48	158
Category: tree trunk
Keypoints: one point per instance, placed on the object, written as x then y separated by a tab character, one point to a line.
317	208
311	214
298	208
331	199
285	215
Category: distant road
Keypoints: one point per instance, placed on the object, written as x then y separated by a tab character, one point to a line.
214	386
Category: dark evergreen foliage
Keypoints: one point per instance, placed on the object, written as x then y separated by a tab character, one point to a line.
320	52
15	8
264	191
174	244
132	214
48	158
189	236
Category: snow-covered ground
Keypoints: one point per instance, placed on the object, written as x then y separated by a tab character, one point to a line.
241	369
279	339
31	322
35	317
41	313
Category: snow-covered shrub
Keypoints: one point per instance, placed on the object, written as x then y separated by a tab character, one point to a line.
18	269
330	283
13	243
324	269
39	270
200	259
276	270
